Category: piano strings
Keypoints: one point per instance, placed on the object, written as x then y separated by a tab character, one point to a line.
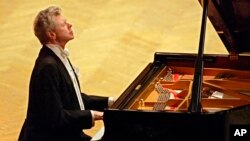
172	91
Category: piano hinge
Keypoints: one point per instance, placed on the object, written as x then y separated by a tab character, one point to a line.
233	56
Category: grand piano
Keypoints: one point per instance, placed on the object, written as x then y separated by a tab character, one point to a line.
166	102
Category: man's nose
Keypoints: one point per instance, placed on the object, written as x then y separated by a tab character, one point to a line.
69	25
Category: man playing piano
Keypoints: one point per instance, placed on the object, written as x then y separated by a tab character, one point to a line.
57	109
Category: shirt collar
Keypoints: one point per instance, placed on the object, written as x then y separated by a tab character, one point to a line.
59	51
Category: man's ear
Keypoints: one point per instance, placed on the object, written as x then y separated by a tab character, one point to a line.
51	35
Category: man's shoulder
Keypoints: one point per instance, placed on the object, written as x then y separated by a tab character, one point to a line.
46	56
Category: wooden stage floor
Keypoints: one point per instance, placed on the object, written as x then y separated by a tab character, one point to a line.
114	41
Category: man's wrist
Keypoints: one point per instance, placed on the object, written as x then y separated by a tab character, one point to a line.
93	117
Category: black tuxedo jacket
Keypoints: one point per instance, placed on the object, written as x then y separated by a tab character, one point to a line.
53	110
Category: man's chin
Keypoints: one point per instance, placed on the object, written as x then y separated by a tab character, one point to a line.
72	38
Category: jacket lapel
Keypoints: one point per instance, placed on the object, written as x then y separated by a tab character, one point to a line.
75	74
45	52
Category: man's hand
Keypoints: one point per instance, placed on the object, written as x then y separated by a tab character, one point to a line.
98	115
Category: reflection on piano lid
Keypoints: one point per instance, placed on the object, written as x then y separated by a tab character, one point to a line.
231	19
146	110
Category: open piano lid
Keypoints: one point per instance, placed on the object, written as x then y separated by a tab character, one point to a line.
231	20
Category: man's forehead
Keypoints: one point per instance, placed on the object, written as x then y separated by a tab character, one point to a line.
59	18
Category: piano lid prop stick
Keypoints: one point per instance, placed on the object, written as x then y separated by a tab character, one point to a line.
195	105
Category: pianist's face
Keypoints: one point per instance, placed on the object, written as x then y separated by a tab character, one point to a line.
62	31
